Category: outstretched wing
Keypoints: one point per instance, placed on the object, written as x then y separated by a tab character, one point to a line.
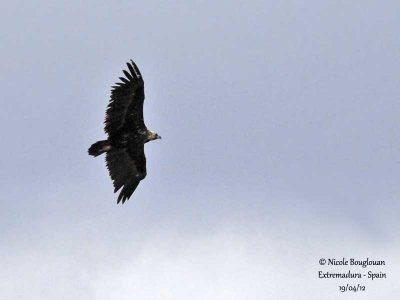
127	167
126	103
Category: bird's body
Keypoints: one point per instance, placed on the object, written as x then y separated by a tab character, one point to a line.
127	134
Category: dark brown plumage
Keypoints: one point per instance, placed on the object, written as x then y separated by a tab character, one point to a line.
127	134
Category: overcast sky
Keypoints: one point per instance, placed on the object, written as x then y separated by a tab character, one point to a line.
280	146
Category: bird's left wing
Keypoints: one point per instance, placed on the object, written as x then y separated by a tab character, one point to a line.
127	167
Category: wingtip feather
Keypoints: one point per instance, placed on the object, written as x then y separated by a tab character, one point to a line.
129	76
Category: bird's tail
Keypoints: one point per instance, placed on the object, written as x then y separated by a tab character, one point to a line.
99	148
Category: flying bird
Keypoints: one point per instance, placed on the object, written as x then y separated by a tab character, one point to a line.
127	134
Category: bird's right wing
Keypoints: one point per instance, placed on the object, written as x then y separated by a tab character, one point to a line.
126	103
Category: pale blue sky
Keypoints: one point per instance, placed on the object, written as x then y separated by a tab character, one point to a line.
279	121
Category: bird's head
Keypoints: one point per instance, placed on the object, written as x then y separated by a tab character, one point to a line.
154	136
